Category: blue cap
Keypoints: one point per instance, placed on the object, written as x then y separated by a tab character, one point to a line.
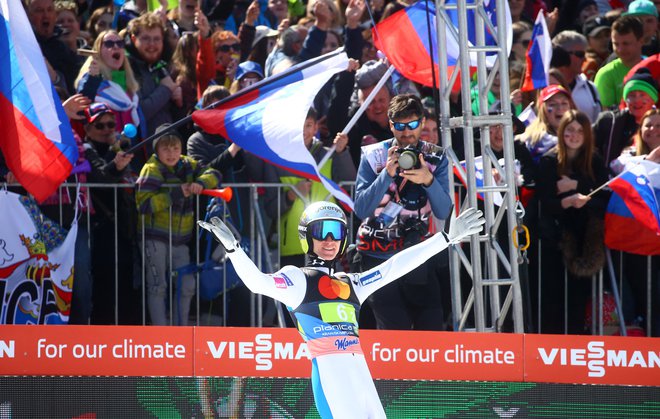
248	67
641	8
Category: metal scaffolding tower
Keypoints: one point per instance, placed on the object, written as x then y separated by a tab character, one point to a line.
491	265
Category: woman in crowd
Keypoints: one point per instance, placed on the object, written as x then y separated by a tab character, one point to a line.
646	147
99	21
107	77
541	135
571	222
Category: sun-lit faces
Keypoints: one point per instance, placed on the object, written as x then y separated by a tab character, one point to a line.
112	51
555	107
573	136
326	249
651	131
149	44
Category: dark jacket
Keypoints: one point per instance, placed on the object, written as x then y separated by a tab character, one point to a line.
154	97
613	131
61	57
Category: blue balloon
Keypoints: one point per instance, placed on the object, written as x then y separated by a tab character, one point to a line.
130	130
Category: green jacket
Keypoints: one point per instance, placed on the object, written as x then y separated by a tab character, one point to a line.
154	200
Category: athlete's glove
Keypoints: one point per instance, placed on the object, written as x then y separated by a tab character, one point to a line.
221	232
466	224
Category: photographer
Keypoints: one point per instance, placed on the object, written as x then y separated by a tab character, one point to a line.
401	182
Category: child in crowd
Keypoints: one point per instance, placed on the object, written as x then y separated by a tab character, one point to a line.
168	215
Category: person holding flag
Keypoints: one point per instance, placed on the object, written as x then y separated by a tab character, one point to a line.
632	221
571	221
325	304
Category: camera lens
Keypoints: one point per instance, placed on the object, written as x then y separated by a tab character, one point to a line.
407	160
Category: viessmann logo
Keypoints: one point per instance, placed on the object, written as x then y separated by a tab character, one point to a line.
598	359
263	350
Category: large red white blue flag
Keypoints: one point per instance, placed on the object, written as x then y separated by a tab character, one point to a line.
632	220
37	140
409	36
267	118
539	55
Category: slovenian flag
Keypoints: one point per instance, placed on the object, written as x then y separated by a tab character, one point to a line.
632	220
405	39
37	140
539	55
267	118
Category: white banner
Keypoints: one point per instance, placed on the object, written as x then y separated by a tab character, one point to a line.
36	282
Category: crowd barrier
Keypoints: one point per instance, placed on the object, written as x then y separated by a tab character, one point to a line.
132	370
264	251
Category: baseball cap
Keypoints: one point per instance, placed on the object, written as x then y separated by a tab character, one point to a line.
641	8
261	32
96	110
249	67
552	90
594	25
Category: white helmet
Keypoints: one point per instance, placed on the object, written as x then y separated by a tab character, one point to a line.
320	220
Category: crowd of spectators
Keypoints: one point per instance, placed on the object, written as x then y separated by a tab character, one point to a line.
150	65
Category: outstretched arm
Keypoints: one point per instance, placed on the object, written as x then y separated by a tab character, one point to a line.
368	282
286	285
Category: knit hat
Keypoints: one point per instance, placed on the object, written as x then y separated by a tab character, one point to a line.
552	90
369	74
168	133
641	81
641	8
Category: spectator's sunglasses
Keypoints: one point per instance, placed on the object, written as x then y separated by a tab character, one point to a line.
118	43
227	48
320	230
101	125
412	125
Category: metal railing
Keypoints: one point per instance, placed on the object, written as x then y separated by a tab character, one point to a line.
265	252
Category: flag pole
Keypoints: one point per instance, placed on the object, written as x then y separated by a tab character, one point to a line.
612	180
359	112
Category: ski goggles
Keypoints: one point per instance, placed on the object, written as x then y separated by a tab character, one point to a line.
320	230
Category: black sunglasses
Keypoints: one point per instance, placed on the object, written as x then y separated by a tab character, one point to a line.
101	125
525	42
579	54
227	48
412	125
118	43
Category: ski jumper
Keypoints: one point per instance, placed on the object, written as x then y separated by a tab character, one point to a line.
325	307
